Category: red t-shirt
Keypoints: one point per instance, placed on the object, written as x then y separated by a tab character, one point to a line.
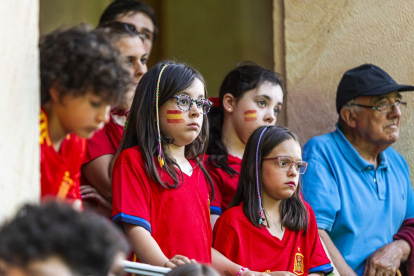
178	219
255	248
104	141
60	171
225	186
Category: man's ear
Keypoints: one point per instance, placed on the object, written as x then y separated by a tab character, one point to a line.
229	103
348	115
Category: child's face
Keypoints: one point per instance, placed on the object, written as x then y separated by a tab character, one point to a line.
257	107
82	115
183	126
277	183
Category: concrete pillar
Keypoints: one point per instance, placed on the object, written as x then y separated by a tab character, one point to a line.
19	105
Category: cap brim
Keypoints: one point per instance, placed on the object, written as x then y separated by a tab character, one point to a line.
389	88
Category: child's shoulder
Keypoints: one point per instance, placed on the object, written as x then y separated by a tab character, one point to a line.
233	214
131	155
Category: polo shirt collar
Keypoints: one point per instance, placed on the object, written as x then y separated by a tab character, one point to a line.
352	155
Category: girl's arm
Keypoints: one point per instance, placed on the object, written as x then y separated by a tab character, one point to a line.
147	249
340	264
213	219
226	267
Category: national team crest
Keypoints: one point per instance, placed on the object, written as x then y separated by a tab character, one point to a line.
298	267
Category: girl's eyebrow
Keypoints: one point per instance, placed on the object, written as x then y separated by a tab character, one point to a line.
188	94
267	98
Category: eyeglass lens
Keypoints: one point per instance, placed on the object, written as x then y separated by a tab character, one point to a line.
185	102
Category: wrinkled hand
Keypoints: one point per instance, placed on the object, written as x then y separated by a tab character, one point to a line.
90	193
385	261
178	260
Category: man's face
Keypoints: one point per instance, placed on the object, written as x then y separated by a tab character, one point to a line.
375	127
143	24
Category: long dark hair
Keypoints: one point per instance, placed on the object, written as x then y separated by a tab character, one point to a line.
243	78
142	127
292	210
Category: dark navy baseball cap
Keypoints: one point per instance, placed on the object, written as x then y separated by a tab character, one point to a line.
366	80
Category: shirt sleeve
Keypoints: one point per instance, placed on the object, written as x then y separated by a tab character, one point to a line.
225	240
97	146
131	194
319	261
320	190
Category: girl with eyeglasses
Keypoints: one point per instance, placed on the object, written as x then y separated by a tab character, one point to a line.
268	226
250	97
160	187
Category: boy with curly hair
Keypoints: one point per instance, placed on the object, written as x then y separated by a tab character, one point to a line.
81	76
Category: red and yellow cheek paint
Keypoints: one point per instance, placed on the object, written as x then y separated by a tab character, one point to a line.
174	117
250	115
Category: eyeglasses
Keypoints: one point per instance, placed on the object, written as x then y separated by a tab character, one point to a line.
185	102
384	108
285	164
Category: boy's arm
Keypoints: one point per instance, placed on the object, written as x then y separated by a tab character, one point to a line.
339	262
147	249
98	172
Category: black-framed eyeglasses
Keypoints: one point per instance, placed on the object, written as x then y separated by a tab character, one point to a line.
185	102
285	163
384	108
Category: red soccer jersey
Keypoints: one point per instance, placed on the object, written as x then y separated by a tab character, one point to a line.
178	219
243	243
225	186
60	171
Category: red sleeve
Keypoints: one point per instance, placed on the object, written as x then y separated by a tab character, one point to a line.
406	233
98	145
225	240
319	261
131	190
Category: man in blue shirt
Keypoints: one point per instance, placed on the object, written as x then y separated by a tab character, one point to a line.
359	186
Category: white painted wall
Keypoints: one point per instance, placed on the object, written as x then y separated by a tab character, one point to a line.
19	105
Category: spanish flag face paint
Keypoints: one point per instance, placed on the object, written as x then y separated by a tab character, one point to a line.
250	115
174	117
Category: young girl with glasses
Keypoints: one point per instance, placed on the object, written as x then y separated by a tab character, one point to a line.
250	97
160	187
268	226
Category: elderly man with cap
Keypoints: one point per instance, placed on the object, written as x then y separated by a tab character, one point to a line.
359	186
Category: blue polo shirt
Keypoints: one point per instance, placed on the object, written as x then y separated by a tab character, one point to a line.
360	207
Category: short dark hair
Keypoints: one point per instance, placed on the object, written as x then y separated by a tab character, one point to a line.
244	77
115	30
85	242
123	7
193	270
77	60
292	210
